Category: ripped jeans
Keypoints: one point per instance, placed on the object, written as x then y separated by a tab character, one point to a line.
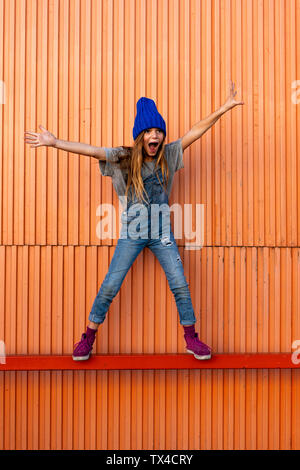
126	251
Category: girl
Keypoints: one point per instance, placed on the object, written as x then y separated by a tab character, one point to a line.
142	177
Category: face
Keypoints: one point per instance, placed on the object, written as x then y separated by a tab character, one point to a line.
154	135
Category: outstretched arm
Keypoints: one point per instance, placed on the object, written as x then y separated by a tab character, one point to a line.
46	138
202	126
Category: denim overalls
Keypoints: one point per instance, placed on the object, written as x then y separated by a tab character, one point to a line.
143	225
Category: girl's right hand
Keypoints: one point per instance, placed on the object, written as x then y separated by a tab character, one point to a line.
39	139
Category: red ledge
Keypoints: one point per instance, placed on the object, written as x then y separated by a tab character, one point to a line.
151	361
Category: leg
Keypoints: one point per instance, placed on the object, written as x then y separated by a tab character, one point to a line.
166	250
168	255
125	253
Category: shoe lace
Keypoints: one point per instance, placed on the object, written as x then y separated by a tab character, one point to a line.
83	337
203	344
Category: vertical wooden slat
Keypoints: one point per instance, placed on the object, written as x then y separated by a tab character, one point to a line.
8	164
259	170
41	174
108	117
30	123
56	410
19	97
65	75
2	116
49	119
73	130
84	121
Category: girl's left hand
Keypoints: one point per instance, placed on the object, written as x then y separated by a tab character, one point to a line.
231	102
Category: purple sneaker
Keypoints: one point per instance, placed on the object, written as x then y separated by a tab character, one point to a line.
196	347
83	349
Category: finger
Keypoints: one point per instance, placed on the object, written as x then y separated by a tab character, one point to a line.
31	133
43	128
31	137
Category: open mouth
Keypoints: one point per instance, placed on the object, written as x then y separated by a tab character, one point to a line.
153	145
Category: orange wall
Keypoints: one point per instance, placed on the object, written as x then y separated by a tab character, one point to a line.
78	67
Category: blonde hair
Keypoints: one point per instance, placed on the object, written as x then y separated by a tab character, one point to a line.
131	158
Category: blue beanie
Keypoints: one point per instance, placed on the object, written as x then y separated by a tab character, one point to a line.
147	117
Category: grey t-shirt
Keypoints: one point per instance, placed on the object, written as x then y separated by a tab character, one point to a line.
173	155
